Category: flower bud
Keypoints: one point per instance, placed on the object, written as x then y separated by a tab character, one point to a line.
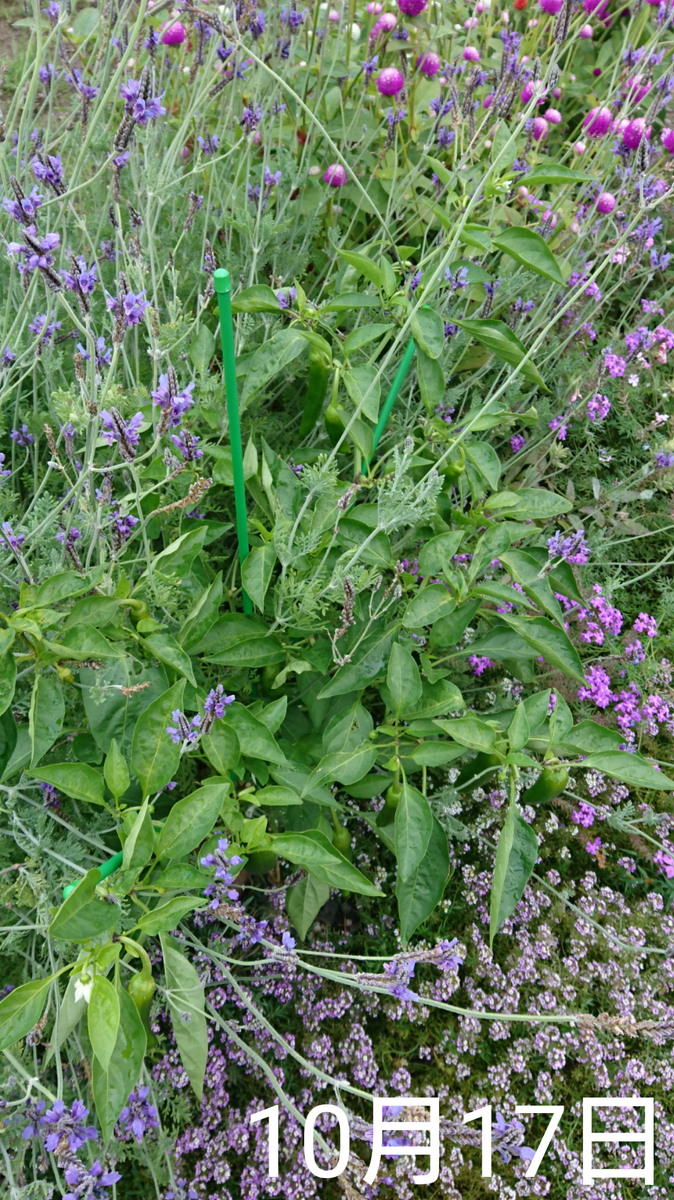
390	81
471	54
335	175
606	203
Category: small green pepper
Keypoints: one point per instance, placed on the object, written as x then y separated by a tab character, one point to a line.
317	387
341	839
141	990
392	798
455	467
550	783
467	779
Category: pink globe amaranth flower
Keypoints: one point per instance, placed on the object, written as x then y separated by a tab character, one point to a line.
634	131
580	148
429	63
552	115
390	81
618	126
471	54
374	7
489	100
598	122
667	139
557	92
174	33
386	24
586	32
333	15
551	6
470	23
541	128
336	175
606	203
636	88
598	7
412	8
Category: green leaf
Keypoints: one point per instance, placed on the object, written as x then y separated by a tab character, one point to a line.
485	460
550	641
166	916
112	1088
273	715
531	250
191	820
413	826
273	796
75	779
364	388
180	877
177	558
501	340
202	617
492	544
202	349
21	1010
367	662
363	265
346	766
304	901
503	150
269	360
629	768
154	756
555	173
139	843
422	891
428	330
349	300
435	754
85	22
588	737
518	729
437	553
109	712
431	380
8	736
516	856
449	629
93	610
476	235
255	740
185	995
256	299
314	851
470	732
45	718
403	680
429	605
83	916
256	572
7	670
239	640
115	771
502	643
165	648
436	699
221	747
61	587
362	336
103	1016
528	504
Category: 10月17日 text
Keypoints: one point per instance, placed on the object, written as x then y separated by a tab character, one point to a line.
387	1141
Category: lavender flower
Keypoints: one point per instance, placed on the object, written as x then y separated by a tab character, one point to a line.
125	433
250	118
216	702
285	299
14	541
44	327
129	308
137	1115
184	732
86	1185
50	171
35	1111
36	252
220	889
68	1124
141	107
83	280
457	280
210	144
103	354
518	442
572	549
52	799
186	444
22	437
173	402
48	74
598	407
181	1190
3	473
86	90
508	1151
7	357
664	459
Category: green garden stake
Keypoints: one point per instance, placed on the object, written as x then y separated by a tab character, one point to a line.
391	398
106	868
222	284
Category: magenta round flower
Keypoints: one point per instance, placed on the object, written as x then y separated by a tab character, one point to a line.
174	33
636	88
598	122
606	203
586	31
551	6
667	139
386	24
598	7
412	8
335	175
429	63
488	100
541	128
634	131
552	115
471	54
390	81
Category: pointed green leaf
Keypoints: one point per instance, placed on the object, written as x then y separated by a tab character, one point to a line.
363	265
83	916
166	650
191	820
75	779
516	856
346	766
202	617
269	360
304	901
103	1019
470	732
139	843
256	572
531	250
363	386
428	330
185	995
629	768
112	1088
518	729
422	891
221	747
403	680
21	1010
167	915
154	756
314	851
413	827
45	718
255	740
501	340
115	771
549	641
556	173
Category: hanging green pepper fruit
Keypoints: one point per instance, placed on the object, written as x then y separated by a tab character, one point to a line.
550	783
138	610
141	990
468	776
341	839
392	797
317	387
455	467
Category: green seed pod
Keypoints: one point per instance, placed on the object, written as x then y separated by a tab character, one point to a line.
317	387
549	784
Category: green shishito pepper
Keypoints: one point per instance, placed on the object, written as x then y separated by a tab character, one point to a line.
468	778
141	989
550	783
341	839
317	387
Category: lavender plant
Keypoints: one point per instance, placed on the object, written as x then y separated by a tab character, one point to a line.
440	686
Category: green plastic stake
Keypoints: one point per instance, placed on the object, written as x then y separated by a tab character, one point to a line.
391	398
106	868
223	287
